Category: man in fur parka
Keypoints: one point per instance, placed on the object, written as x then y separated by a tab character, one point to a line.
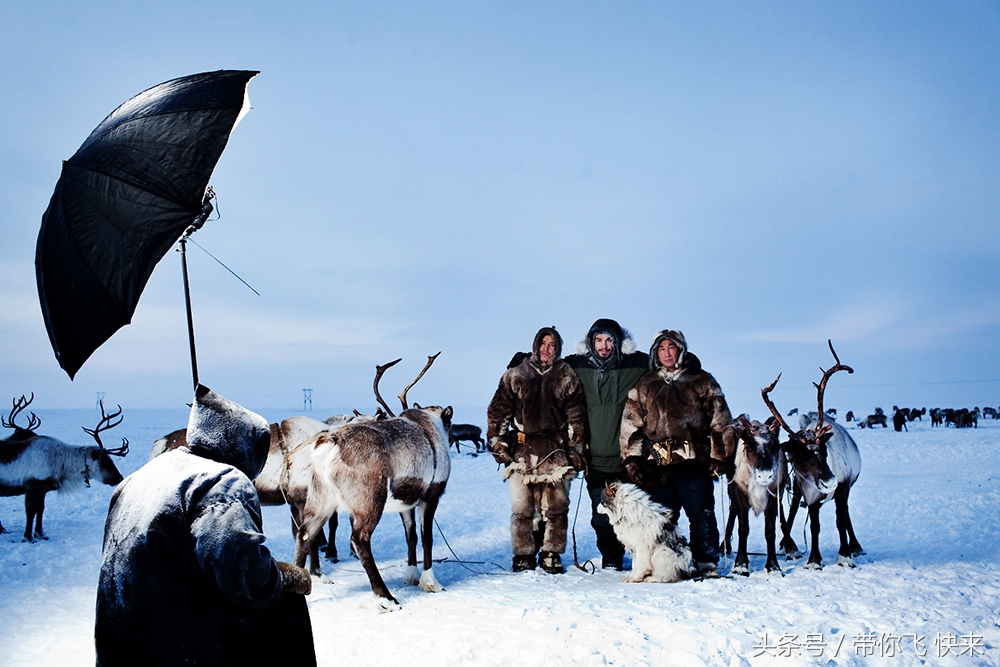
608	366
185	576
676	435
537	428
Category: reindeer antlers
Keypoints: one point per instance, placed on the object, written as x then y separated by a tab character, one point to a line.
821	387
774	411
402	397
104	425
17	408
379	370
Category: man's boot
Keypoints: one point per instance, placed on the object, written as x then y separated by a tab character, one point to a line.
523	563
551	562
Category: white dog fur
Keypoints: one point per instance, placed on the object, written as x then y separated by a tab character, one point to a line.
647	529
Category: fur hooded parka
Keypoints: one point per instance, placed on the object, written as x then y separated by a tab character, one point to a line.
538	416
185	576
606	383
683	411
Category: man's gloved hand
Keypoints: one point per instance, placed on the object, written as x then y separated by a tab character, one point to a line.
499	450
295	579
577	460
635	470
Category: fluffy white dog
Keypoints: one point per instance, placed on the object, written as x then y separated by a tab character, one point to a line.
647	529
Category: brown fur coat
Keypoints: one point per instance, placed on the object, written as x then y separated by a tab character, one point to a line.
547	405
685	406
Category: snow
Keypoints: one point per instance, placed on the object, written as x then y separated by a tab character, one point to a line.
926	509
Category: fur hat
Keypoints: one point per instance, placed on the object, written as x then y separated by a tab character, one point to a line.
667	334
226	432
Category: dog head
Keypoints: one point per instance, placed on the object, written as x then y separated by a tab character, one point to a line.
623	499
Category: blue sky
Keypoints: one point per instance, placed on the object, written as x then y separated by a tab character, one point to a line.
417	177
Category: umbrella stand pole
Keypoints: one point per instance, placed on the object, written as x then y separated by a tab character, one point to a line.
187	303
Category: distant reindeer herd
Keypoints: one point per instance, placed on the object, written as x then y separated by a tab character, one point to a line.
366	465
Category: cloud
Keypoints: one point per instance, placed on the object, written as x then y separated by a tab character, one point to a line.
850	323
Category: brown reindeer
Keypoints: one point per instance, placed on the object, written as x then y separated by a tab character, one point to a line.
33	465
396	464
287	472
761	474
825	464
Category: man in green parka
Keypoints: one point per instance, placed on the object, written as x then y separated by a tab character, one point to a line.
608	367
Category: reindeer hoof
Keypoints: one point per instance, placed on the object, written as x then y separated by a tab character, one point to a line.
742	570
429	583
846	560
411	578
811	565
385	606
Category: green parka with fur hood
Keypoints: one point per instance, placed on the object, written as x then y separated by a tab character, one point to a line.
606	384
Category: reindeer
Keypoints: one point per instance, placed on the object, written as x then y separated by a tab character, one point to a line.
871	420
395	464
825	464
460	432
287	472
33	464
761	474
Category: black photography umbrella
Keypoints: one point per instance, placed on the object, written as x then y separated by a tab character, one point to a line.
137	183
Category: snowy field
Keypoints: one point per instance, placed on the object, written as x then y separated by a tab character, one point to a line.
926	509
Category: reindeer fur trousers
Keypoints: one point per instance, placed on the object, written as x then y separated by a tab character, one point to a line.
532	506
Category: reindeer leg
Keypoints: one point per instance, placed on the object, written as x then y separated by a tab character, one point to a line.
409	518
34	506
741	504
361	540
856	548
428	507
331	543
815	559
770	516
727	541
846	554
787	543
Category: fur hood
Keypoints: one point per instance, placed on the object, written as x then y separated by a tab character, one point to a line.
624	344
223	431
678	338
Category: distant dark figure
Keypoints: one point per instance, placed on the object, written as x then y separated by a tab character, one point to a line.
899	420
459	432
849	416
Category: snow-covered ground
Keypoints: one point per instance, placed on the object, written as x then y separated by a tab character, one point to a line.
926	509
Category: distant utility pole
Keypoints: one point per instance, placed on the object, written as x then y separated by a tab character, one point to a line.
100	397
307	399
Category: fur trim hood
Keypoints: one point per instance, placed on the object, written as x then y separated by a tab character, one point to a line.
678	338
623	343
223	431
